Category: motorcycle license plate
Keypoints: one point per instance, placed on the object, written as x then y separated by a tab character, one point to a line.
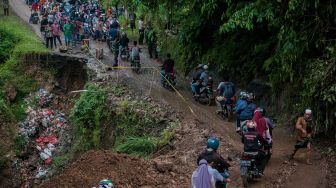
245	163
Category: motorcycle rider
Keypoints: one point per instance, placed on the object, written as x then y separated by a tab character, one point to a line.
123	42
168	65
245	110
251	140
225	91
135	52
202	81
196	76
304	129
211	156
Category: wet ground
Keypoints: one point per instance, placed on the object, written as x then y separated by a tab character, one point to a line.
279	172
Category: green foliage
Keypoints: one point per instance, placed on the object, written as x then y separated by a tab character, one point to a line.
19	144
139	146
167	135
87	115
15	40
61	162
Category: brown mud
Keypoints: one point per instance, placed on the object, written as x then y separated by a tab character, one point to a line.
196	126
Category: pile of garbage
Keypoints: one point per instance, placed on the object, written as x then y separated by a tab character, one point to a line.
45	132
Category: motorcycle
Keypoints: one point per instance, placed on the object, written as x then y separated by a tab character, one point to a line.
248	167
124	53
228	106
206	95
168	81
135	64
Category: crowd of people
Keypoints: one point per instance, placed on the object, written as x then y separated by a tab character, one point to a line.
80	20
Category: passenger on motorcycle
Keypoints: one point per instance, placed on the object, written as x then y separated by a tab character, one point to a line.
202	82
262	127
225	91
254	143
245	110
210	154
196	76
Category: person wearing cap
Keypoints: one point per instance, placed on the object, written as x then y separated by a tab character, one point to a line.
304	133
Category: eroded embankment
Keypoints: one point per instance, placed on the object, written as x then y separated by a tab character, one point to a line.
42	138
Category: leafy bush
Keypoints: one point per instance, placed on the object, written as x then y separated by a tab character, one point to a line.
87	115
139	146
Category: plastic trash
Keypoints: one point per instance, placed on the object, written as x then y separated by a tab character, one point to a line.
41	173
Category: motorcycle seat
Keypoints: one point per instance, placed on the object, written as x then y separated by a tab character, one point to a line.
251	153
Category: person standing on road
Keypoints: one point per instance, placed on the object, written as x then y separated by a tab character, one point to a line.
304	133
67	33
141	31
6	7
56	31
49	36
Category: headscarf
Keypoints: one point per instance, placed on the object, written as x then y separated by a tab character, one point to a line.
261	123
202	178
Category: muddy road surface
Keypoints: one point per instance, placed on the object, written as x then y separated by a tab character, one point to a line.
279	172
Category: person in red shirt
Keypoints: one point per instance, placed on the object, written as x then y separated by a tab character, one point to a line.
34	7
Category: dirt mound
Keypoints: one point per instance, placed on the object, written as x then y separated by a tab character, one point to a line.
93	166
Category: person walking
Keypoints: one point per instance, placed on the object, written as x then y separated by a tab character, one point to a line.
56	31
304	130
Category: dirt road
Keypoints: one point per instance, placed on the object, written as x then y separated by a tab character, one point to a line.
279	172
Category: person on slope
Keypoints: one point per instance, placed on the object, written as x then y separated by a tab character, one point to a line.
211	155
245	110
304	129
206	176
196	76
135	52
123	43
251	140
226	91
168	65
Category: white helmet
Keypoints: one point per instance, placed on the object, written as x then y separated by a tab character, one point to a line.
205	67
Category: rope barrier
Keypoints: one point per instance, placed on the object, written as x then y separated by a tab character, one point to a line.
126	67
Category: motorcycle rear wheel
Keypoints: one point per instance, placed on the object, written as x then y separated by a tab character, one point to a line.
245	181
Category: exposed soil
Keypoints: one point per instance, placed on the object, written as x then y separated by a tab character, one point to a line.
197	125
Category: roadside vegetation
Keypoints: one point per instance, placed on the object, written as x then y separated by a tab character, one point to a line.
288	45
105	118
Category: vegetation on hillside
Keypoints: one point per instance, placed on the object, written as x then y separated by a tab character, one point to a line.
16	40
288	43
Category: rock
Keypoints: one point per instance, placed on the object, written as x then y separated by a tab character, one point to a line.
163	166
10	92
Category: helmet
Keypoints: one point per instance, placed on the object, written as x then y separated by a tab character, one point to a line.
205	67
105	183
213	143
243	95
199	66
251	125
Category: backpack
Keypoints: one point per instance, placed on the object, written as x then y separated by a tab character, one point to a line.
228	92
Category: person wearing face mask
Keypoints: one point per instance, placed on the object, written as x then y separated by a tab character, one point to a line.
304	130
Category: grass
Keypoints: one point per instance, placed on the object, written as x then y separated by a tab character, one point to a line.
139	146
20	40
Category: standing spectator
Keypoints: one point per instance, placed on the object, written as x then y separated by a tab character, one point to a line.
6	7
141	31
49	35
132	17
56	31
67	33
